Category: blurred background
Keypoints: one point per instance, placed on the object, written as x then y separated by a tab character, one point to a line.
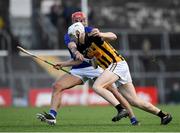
148	37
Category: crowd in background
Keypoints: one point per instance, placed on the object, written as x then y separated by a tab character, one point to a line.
122	14
128	15
139	15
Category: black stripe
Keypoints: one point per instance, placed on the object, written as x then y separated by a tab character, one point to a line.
109	45
116	52
107	52
106	60
106	66
122	58
119	55
111	67
114	67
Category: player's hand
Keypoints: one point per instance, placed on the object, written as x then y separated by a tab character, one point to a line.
79	56
95	32
58	66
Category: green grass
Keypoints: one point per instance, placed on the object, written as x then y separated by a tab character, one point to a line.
85	119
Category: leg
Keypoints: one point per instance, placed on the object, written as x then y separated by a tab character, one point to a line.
67	81
122	100
126	105
129	93
100	88
101	82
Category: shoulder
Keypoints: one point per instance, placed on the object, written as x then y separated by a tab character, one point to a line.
96	39
66	36
88	29
67	39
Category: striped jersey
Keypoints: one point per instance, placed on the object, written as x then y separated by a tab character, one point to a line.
103	51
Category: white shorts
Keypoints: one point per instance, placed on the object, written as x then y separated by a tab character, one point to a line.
86	72
122	70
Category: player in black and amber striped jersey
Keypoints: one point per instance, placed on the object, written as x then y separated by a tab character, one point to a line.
116	69
105	54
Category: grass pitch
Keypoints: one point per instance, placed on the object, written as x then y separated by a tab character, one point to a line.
85	119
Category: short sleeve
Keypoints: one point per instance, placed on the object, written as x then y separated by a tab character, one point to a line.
66	39
88	29
97	40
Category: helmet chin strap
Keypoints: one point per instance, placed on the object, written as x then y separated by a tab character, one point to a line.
78	43
82	40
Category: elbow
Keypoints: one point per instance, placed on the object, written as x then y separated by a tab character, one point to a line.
114	37
109	36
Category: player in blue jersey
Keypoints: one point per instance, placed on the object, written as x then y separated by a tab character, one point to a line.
76	78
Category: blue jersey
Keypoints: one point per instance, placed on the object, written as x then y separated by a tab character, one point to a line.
67	40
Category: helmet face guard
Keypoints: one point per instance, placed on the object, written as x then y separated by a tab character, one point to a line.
76	29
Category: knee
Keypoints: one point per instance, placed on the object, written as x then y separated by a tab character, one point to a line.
96	88
57	87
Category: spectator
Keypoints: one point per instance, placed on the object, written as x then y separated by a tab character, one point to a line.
54	14
1	23
69	8
91	16
147	59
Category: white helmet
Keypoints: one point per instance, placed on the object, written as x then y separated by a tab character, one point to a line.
74	28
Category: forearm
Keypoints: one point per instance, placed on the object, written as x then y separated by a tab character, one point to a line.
108	36
72	46
76	54
71	63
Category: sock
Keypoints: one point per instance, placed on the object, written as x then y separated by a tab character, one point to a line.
161	114
53	112
133	120
119	107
